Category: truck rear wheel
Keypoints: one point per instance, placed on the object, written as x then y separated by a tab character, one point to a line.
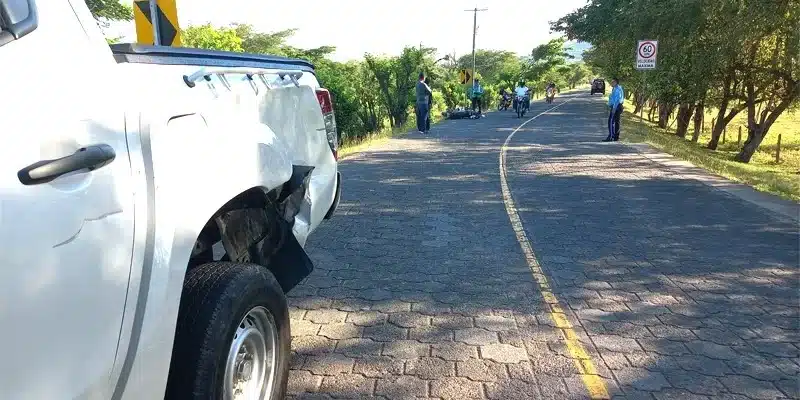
232	340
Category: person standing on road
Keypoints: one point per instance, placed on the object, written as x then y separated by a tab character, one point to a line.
615	101
430	107
422	108
477	93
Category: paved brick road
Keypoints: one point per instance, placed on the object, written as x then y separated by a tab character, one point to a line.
677	291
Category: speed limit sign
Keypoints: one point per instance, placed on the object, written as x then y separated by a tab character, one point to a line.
646	53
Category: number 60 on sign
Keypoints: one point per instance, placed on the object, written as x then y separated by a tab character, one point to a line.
646	53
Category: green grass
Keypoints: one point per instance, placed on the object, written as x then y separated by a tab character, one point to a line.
762	173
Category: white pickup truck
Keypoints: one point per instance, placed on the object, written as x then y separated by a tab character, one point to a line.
154	206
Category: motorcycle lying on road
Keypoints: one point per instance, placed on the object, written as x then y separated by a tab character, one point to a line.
521	106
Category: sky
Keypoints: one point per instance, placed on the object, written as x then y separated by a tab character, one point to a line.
382	27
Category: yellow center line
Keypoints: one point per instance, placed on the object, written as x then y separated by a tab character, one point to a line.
586	369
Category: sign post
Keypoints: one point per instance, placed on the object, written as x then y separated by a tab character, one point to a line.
646	55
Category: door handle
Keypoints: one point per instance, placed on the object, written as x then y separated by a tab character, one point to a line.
90	157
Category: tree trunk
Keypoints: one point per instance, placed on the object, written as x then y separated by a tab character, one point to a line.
699	114
664	111
758	124
652	112
722	121
684	118
754	138
639	97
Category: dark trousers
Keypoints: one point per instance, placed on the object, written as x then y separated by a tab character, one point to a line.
428	120
422	117
476	103
613	123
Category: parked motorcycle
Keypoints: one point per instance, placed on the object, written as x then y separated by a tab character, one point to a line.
504	103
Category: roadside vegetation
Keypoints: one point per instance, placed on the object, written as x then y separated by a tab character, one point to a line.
722	65
762	172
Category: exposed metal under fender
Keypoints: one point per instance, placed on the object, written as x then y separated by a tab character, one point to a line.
294	190
262	233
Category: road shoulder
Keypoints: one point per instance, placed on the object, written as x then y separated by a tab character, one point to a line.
771	203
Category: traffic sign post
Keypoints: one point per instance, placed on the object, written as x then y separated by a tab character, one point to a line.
646	56
646	53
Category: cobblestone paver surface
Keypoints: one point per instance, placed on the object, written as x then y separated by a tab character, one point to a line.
676	290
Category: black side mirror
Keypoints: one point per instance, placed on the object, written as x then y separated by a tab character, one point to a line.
17	19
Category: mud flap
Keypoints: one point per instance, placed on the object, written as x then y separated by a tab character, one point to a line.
291	262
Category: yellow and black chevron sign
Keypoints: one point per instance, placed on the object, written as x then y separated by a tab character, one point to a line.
168	29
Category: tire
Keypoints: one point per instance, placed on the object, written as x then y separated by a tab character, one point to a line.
216	299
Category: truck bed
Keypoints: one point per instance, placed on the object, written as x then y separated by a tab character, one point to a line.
164	55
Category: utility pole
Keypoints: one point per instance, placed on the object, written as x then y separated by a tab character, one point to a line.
474	33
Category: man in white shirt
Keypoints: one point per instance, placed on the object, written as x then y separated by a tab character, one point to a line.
522	90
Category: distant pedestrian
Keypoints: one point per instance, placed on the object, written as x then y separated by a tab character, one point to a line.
615	101
477	94
430	108
423	104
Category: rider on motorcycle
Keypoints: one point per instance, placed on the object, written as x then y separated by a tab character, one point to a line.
522	91
551	89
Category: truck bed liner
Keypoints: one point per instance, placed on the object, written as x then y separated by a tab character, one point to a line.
134	53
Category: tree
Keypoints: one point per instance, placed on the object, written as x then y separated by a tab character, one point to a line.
547	63
110	10
396	77
577	73
771	68
208	37
491	64
738	55
338	78
262	43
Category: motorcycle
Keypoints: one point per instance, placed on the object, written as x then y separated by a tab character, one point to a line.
521	106
551	94
504	104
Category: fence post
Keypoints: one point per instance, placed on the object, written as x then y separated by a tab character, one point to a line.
778	150
703	124
739	141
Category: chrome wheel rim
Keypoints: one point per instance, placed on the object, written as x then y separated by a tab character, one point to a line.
250	366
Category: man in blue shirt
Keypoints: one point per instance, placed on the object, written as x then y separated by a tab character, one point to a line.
477	93
615	101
